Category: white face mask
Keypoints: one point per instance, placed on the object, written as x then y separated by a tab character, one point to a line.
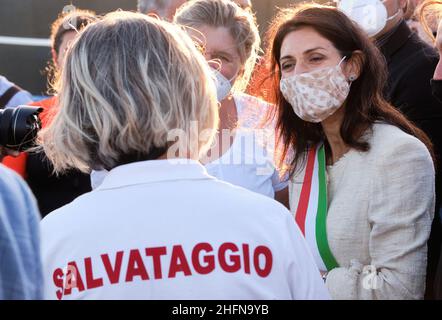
371	15
316	95
223	85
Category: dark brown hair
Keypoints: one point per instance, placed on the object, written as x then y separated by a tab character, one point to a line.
365	103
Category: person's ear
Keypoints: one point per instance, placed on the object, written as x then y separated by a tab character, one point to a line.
241	72
354	65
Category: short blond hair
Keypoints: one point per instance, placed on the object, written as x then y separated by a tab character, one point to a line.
240	23
128	80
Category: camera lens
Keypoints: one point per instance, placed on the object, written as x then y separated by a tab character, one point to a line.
19	127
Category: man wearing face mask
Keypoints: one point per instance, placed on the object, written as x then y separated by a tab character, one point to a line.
411	64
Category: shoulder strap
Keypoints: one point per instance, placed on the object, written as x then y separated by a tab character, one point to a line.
8	95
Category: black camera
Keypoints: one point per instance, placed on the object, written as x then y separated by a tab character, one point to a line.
19	127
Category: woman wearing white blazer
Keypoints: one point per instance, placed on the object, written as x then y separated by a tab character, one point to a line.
362	175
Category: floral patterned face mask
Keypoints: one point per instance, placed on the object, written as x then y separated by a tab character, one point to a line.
316	95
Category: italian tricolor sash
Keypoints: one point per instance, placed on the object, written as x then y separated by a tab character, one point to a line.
311	214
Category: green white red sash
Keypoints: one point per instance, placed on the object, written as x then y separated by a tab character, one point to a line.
311	214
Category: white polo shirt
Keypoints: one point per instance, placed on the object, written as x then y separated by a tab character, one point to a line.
249	162
159	230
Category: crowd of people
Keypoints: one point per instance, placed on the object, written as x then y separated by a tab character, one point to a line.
181	157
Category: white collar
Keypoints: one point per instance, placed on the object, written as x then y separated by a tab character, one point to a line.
151	171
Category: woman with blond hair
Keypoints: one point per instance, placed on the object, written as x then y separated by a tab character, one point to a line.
230	41
362	176
158	226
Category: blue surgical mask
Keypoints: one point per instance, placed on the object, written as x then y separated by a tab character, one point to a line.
223	85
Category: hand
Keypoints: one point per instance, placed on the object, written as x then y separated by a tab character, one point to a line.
7	152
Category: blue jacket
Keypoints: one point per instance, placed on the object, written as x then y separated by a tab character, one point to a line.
20	262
